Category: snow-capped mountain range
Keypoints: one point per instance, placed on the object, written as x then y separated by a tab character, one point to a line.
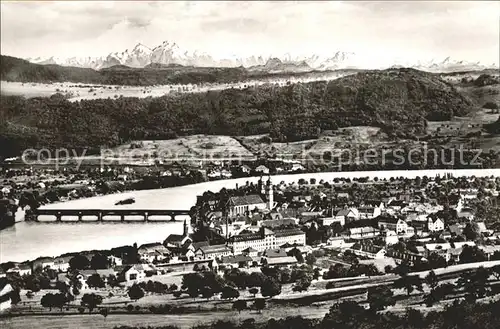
170	53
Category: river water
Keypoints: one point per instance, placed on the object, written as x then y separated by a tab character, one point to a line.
29	240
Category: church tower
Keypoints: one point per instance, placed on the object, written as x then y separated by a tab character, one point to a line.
186	229
262	187
269	194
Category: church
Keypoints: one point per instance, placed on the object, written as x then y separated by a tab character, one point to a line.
241	205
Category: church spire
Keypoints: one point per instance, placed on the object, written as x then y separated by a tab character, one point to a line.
185	231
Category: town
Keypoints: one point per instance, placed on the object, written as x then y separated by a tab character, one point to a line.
258	246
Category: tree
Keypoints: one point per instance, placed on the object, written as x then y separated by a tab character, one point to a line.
343	315
99	261
409	283
303	284
96	281
59	300
104	312
310	259
438	293
402	269
316	273
135	292
432	280
207	292
259	304
474	283
335	271
91	301
436	261
254	291
380	297
47	301
472	231
270	288
79	262
239	305
472	254
229	293
295	252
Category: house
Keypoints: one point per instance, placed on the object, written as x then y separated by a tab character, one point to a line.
103	273
369	212
226	173
274	253
137	272
68	279
347	215
262	170
266	239
297	167
391	238
21	269
5	294
489	250
336	242
435	225
466	213
364	232
368	250
236	261
250	252
280	261
343	195
245	169
392	223
115	261
239	205
61	264
211	252
328	221
482	228
153	252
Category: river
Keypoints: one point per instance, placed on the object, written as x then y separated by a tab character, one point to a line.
28	240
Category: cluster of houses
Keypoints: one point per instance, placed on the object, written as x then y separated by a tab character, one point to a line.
257	221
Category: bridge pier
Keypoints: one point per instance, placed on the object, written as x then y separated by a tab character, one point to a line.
122	218
172	218
146	216
58	217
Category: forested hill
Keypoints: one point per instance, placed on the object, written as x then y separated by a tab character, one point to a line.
398	100
20	70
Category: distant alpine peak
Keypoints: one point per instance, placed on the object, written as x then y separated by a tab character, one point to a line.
141	47
169	52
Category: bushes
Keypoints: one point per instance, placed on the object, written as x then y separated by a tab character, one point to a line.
490	106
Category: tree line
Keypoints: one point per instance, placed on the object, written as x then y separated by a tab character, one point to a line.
399	102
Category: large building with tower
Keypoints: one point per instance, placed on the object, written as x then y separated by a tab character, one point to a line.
241	205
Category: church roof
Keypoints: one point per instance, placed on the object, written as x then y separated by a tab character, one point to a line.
245	200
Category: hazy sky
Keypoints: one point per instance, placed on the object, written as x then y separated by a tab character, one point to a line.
463	30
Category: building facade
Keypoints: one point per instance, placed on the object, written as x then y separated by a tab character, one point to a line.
266	239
